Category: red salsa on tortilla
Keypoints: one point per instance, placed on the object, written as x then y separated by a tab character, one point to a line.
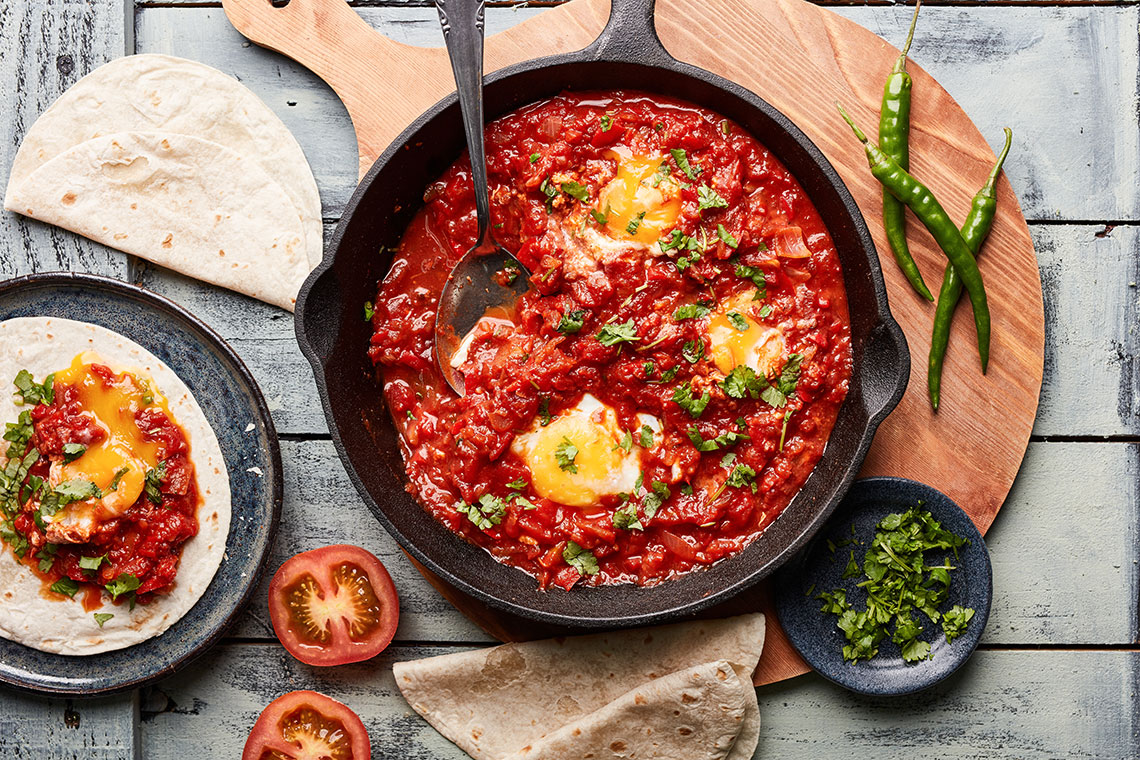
671	378
97	491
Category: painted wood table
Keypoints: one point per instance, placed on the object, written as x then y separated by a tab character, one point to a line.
1058	672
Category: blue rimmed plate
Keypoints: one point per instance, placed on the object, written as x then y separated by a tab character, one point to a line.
818	568
236	410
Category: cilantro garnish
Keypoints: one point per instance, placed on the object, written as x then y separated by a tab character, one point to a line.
153	487
76	490
72	451
678	241
784	428
730	438
625	518
683	395
777	394
659	494
544	411
682	160
119	473
46	556
599	217
646	439
486	512
690	311
693	350
102	617
708	198
66	586
92	563
572	321
511	271
534	157
611	334
565	455
606	122
756	275
31	392
551	192
738	321
575	190
369	311
765	310
742	475
686	489
14	538
899	583
626	442
726	237
517	485
124	584
634	223
580	559
18	434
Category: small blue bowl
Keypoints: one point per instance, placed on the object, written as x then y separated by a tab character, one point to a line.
814	634
236	410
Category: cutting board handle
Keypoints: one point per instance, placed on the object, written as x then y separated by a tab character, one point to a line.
630	35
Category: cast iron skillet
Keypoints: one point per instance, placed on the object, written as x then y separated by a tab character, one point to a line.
334	336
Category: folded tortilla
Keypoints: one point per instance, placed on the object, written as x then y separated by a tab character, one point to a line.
186	203
43	345
493	702
693	714
161	93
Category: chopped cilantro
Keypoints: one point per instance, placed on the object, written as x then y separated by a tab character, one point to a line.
544	411
606	122
738	320
46	556
124	584
565	455
575	190
690	311
599	217
572	321
485	513
683	395
784	428
625	518
756	275
626	442
742	475
693	350
534	157
726	237
678	241
682	160
687	489
76	490
369	311
551	192
708	198
154	478
730	438
635	223
14	538
119	473
785	385
18	434
31	392
517	485
954	621
765	310
580	559
646	439
103	617
743	381
92	563
68	587
658	495
511	270
72	451
611	334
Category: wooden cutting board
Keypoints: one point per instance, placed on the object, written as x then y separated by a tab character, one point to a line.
802	59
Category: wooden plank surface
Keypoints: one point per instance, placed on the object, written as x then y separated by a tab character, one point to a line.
1003	704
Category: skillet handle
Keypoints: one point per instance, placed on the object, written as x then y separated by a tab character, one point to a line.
319	310
885	371
630	36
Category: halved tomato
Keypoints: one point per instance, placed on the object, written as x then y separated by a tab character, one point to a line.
334	605
305	725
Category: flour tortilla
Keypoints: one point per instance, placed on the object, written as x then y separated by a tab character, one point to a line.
161	93
693	714
493	702
186	203
43	345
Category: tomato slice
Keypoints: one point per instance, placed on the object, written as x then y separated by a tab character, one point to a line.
334	605
305	725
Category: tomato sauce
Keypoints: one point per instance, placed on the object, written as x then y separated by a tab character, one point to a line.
144	541
629	211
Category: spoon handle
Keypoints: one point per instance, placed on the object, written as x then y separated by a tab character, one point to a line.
462	23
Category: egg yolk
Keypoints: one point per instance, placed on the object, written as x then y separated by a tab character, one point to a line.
597	461
760	347
639	198
124	446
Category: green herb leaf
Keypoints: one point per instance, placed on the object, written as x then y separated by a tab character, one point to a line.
742	475
683	395
784	428
565	455
77	490
486	512
517	485
708	198
756	275
572	321
690	311
635	223
575	190
954	621
92	563
119	473
72	451
738	320
612	334
726	237
606	121
626	442
580	559
46	556
625	518
682	160
693	350
124	584
153	487
678	241
544	411
534	157
369	311
31	392
646	439
599	217
65	586
103	617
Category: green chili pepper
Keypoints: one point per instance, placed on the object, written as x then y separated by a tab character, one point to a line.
894	134
929	211
974	231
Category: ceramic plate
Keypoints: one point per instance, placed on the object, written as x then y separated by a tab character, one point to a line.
232	403
814	634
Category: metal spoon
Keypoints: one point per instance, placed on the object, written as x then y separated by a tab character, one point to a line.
472	288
